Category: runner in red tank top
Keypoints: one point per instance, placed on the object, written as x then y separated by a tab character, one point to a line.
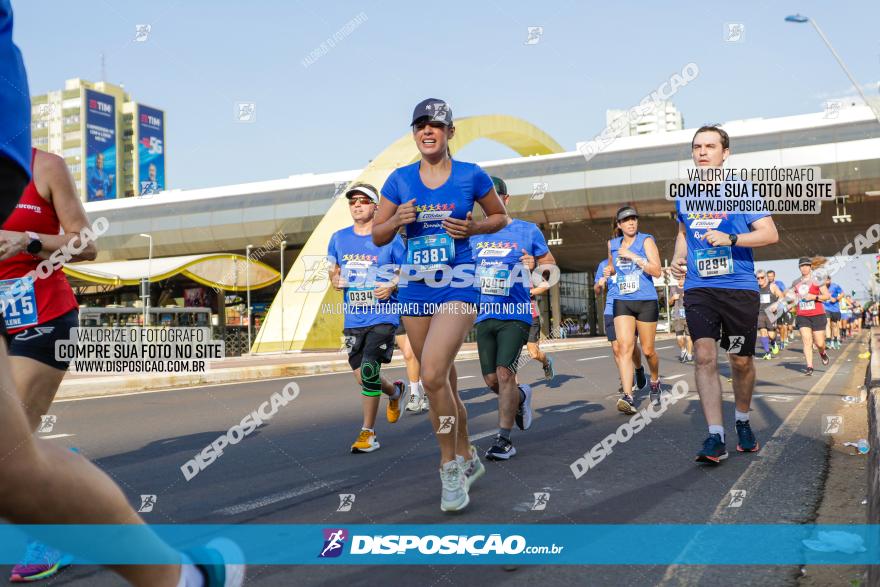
811	320
45	310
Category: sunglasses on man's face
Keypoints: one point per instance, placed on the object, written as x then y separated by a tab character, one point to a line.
364	201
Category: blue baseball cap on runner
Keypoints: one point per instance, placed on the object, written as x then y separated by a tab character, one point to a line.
434	109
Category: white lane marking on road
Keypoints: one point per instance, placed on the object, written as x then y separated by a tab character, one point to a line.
570	408
675	376
663	348
591	358
274	498
753	476
482	435
466	377
51	436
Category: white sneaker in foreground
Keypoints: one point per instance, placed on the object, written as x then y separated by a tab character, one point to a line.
454	491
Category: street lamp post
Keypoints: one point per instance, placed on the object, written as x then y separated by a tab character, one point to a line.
248	285
146	286
283	246
799	18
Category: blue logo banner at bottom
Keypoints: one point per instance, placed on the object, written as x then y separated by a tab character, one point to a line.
456	544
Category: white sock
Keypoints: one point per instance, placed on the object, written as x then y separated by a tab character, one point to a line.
716	429
742	416
190	576
414	387
367	429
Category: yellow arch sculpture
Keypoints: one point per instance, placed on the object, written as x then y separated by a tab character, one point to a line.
298	318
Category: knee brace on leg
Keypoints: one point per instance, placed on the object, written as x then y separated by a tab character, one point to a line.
370	379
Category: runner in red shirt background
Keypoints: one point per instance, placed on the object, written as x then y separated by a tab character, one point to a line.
811	319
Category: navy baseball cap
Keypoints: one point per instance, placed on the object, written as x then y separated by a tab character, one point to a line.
805	261
434	109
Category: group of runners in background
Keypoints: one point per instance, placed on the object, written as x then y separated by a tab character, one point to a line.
718	298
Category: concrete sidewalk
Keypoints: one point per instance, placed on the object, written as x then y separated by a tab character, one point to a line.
258	367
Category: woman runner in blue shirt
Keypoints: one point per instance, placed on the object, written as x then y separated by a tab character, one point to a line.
433	198
633	259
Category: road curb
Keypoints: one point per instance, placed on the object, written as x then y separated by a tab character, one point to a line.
108	386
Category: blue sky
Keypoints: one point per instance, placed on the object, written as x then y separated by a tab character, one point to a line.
339	112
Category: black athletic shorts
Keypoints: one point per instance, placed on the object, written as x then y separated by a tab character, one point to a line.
535	330
641	310
13	180
401	329
728	315
833	316
369	343
499	343
38	342
815	322
764	321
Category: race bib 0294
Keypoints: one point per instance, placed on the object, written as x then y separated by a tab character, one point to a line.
715	261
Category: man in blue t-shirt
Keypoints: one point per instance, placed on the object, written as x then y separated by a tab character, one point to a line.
714	252
366	274
832	310
502	262
610	285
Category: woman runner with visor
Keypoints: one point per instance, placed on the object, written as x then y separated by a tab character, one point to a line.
633	259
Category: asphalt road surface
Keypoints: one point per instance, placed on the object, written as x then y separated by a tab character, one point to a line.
292	469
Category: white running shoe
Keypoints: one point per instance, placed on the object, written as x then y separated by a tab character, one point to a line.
454	492
474	468
415	403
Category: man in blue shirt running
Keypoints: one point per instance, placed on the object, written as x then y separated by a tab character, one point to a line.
360	270
714	251
504	317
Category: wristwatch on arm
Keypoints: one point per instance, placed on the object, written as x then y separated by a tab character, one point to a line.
35	245
733	238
